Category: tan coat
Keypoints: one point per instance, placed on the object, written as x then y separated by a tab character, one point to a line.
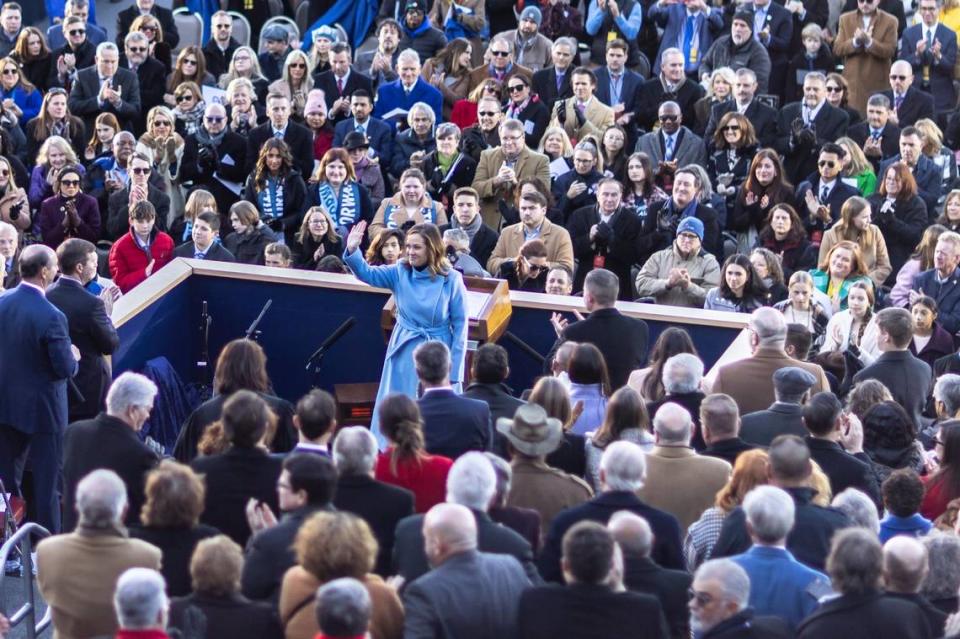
556	238
400	217
652	279
683	483
77	574
866	70
452	89
750	381
530	164
386	621
545	489
875	259
598	117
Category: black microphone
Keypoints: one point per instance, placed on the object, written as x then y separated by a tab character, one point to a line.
327	343
253	327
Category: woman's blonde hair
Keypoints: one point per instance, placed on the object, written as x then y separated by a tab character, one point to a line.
932	136
724	73
820	483
198	200
151	21
858	161
307	82
567	144
61	144
330	545
231	74
160	110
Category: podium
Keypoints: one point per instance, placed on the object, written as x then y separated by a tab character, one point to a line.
488	311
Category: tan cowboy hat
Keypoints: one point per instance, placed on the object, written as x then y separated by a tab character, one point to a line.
531	432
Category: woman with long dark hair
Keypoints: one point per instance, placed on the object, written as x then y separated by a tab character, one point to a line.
733	148
943	486
431	305
449	73
590	384
528	271
406	462
786	237
626	419
553	396
930	340
765	187
33	54
641	190
191	66
740	290
277	188
613	152
649	381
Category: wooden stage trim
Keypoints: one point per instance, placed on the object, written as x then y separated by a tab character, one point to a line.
181	268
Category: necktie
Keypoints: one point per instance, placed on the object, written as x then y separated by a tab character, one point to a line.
340	86
359	129
688	37
668	144
930	38
615	88
406	91
875	134
197	255
897	101
806	115
824	193
278	135
559	81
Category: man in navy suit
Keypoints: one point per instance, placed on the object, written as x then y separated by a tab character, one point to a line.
452	425
877	135
104	87
405	91
37	361
339	83
931	49
617	86
927	174
553	83
803	127
821	196
691	26
909	103
378	132
942	282
298	137
204	245
88	317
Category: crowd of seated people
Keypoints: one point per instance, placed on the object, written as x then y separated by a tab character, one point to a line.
794	163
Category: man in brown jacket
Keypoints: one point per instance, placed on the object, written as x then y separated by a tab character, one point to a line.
750	381
501	168
77	572
866	51
533	224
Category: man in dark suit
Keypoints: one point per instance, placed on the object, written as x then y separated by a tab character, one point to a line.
641	574
673	19
165	16
617	86
378	132
622	471
762	116
589	605
306	486
88	317
942	282
928	175
908	378
906	564
37	361
119	203
215	151
219	50
553	82
823	194
931	49
803	127
298	137
490	371
877	135
204	245
466	216
720	425
773	27
110	441
106	88
814	526
671	84
836	444
622	340
785	415
606	234
909	103
381	505
9	255
151	75
487	608
452	425
339	83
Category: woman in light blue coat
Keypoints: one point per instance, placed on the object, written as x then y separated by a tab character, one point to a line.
431	305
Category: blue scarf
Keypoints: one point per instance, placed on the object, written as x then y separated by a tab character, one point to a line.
414	33
342	209
453	29
270	199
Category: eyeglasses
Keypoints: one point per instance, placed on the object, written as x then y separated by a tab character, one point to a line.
668	118
184	98
488	114
160	123
500	54
732	127
193	62
137	49
511	138
141	170
688	236
702	598
298	65
76	32
834	90
214	118
147	28
224	26
898	77
583	160
70	182
516	88
826	163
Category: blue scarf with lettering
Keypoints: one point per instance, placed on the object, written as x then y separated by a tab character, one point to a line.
342	209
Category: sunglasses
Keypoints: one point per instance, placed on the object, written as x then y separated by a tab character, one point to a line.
537	268
10	72
137	49
183	98
732	127
298	65
147	28
224	26
702	598
140	171
827	163
500	54
76	32
834	90
193	62
160	123
70	182
668	118
517	88
214	118
488	114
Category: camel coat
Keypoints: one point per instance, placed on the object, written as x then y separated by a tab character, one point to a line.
750	381
875	259
386	622
598	117
683	483
866	70
530	164
399	217
556	238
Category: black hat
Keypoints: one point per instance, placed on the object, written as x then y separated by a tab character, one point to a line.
355	140
744	15
415	5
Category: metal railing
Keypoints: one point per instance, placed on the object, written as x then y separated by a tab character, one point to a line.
28	611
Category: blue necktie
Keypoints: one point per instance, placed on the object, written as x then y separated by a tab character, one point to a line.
197	255
668	143
688	38
278	135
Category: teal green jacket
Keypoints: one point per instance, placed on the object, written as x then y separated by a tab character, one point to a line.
821	280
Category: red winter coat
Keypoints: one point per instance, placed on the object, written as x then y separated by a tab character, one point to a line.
128	262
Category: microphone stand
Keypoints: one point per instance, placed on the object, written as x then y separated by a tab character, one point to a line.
252	332
204	363
526	348
315	361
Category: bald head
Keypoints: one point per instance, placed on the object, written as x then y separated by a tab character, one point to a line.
448	529
632	532
769	327
673	425
905	564
38	264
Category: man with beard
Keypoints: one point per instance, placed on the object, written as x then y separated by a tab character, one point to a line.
213	155
719	605
682	274
662	223
532	47
739	50
218	51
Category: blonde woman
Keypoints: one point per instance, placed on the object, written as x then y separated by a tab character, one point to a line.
54	154
719	89
199	201
164	147
933	148
14	205
802	307
556	145
295	82
244	64
857	170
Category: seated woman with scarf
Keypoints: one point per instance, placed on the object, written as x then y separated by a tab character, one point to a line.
277	189
336	189
409	206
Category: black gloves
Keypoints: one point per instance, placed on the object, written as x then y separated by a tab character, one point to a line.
604	233
562	112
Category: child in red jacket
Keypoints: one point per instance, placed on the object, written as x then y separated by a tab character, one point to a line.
142	251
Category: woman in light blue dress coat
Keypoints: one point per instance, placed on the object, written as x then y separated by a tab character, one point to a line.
431	305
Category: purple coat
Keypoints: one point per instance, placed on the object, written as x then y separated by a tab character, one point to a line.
50	220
